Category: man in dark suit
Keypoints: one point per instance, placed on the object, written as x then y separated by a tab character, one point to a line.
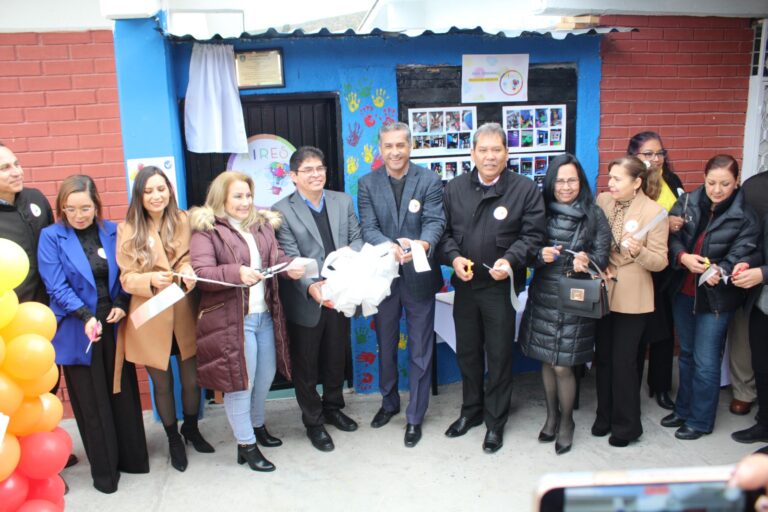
404	201
316	222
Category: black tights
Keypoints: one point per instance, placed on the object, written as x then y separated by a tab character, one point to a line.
560	393
162	381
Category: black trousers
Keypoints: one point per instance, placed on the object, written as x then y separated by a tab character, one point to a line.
485	326
618	339
318	356
111	425
758	343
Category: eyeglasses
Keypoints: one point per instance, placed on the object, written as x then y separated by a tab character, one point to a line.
571	182
650	155
85	210
313	170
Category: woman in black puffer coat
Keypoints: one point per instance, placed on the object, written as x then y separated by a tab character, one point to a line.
559	340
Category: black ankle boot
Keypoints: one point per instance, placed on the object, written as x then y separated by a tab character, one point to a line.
250	453
191	433
265	438
176	448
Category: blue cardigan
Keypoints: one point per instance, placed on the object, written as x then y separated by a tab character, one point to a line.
68	277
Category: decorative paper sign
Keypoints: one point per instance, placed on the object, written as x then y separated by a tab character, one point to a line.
494	78
534	128
533	166
441	131
156	305
166	163
267	164
447	167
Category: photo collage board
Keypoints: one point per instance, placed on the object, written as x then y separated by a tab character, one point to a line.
442	131
533	128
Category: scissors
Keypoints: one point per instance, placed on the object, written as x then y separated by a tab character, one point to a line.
271	271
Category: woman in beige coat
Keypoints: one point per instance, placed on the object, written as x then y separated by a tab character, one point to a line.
633	257
152	246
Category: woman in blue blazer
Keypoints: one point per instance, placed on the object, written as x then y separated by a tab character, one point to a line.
76	258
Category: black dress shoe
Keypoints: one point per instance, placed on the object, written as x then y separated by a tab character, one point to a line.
494	439
462	425
265	438
665	401
600	430
672	420
412	435
687	433
546	438
560	449
382	417
256	461
71	460
320	438
340	420
618	442
754	434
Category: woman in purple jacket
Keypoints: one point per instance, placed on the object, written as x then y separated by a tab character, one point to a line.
241	332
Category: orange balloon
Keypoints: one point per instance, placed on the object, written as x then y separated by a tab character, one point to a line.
10	453
2	351
11	395
52	413
9	303
31	318
24	420
36	387
28	357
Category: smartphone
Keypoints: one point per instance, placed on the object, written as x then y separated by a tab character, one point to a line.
703	489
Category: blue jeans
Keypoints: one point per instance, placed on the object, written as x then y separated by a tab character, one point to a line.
702	337
245	409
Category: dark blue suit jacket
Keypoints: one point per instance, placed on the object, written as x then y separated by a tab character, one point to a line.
420	217
68	277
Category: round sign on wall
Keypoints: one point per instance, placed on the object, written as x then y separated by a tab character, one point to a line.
267	164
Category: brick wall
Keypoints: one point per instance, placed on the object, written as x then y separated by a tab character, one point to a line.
684	77
59	114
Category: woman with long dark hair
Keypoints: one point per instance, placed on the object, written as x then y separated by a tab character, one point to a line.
153	251
562	340
76	260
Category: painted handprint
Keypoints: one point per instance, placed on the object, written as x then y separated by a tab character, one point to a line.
368	153
353	164
366	357
354	134
353	102
403	342
361	335
379	97
390	115
367	378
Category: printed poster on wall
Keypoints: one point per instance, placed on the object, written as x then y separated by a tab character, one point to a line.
494	78
267	164
447	167
443	130
533	165
165	163
535	128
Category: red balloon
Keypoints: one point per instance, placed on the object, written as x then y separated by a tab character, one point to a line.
39	506
51	489
43	454
13	492
65	436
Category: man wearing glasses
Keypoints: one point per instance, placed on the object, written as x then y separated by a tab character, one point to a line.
24	212
316	222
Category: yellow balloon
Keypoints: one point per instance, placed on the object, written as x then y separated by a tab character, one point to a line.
10	453
28	357
23	421
14	265
9	303
2	351
10	395
44	384
53	410
31	318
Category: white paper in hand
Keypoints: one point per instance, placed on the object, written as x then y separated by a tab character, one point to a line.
156	305
309	264
420	261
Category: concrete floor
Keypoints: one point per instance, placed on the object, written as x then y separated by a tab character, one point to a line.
372	470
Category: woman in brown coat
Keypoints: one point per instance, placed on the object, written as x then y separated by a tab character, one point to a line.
241	329
152	246
633	257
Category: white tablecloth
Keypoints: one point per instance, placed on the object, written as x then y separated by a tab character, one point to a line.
444	328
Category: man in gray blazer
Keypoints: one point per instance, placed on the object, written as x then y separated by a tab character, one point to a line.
404	201
316	222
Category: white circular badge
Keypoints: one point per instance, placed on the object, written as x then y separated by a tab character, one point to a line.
414	206
151	242
102	253
631	226
500	213
36	211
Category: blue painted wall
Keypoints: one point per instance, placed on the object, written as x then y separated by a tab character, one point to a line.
362	70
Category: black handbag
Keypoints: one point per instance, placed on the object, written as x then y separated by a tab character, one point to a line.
584	296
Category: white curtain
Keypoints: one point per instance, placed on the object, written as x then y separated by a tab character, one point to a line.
213	115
